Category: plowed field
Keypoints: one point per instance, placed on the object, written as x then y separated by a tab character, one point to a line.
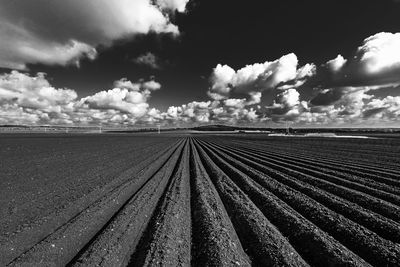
200	200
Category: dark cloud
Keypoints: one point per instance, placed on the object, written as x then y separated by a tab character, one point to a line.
63	32
328	96
148	59
371	112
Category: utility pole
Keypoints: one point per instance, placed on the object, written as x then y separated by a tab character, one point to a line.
159	131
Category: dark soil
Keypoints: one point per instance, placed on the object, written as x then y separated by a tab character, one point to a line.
200	200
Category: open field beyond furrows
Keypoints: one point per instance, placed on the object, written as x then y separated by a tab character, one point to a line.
197	199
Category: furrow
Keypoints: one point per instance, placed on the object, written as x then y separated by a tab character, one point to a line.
365	178
374	204
321	248
61	246
365	243
261	240
322	156
167	239
119	238
214	240
39	230
386	228
385	176
369	147
309	170
29	234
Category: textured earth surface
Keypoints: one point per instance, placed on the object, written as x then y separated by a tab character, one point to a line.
198	199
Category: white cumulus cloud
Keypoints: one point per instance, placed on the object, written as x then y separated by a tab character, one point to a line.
258	77
375	62
26	99
179	5
336	64
380	52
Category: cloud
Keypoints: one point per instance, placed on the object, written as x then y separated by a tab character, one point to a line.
69	31
230	111
286	106
32	92
233	102
258	77
387	108
131	102
33	100
375	62
281	76
128	98
148	59
288	98
235	115
340	92
221	80
26	99
179	5
151	85
189	113
126	84
345	91
353	105
255	98
347	88
336	64
380	53
327	97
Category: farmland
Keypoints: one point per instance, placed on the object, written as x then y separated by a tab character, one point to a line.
198	199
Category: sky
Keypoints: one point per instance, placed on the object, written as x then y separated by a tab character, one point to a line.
182	63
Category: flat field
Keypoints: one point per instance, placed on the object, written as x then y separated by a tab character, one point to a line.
198	199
